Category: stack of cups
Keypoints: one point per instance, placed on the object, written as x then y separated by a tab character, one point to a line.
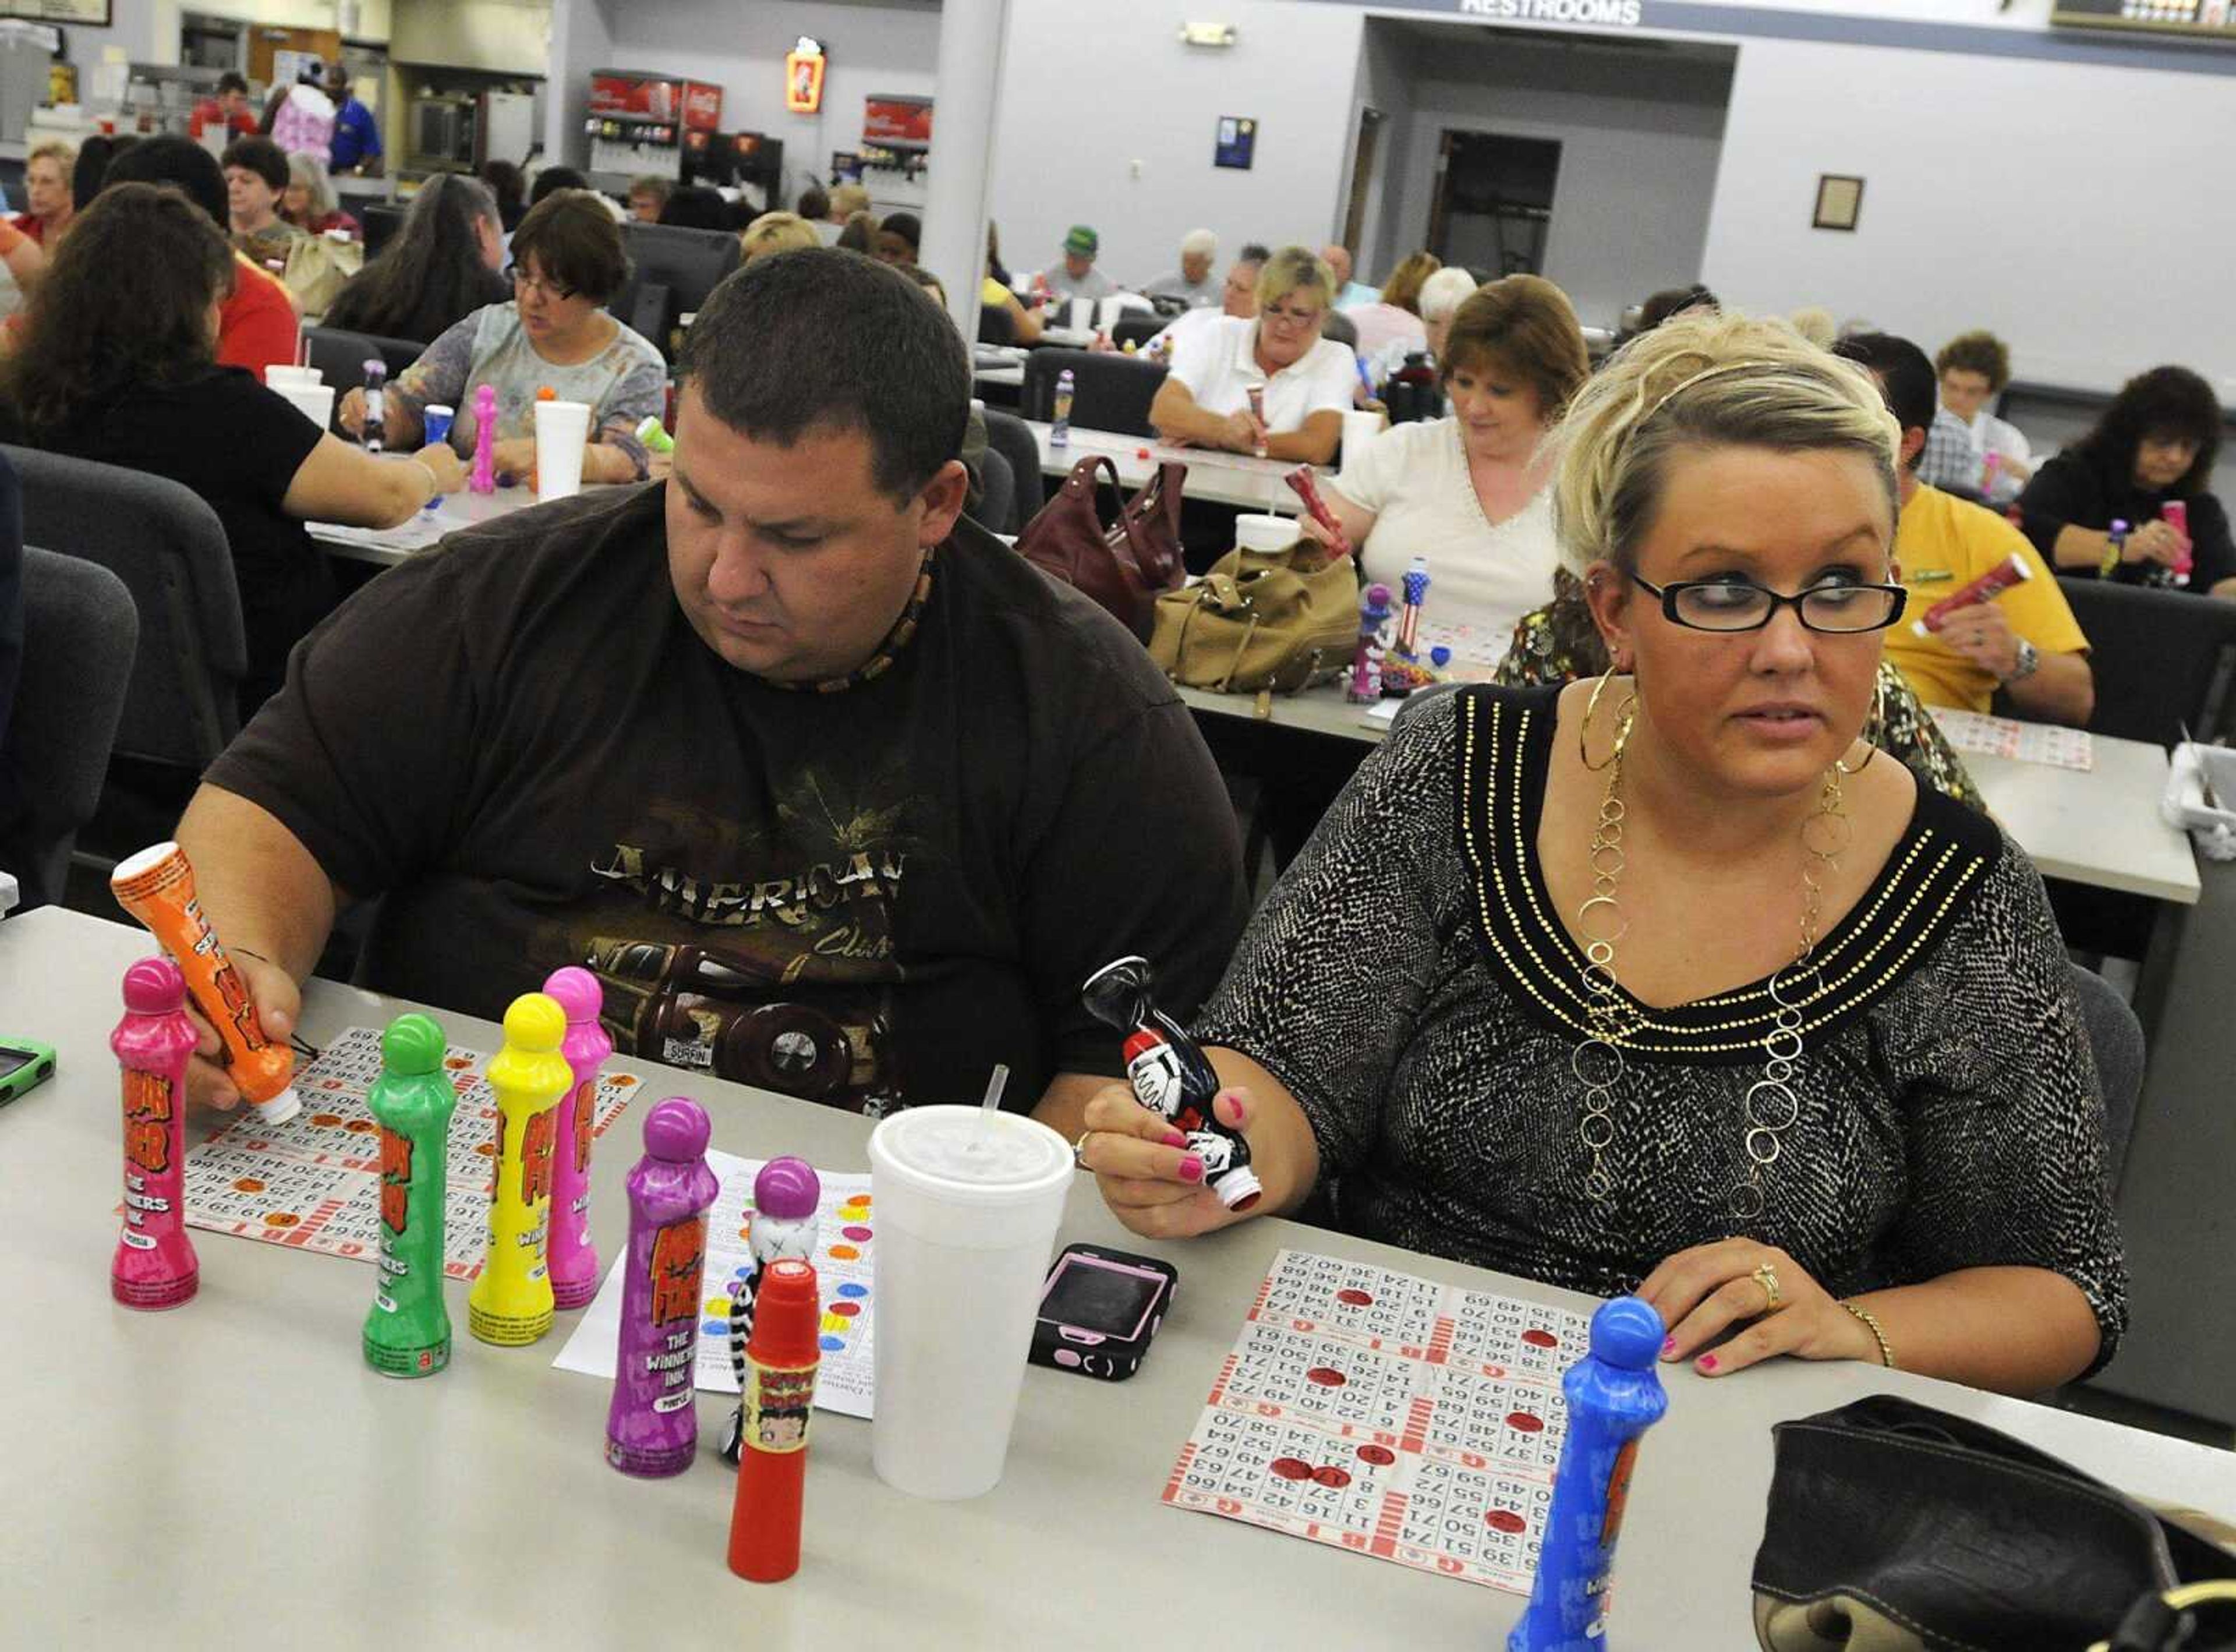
968	1204
561	431
307	388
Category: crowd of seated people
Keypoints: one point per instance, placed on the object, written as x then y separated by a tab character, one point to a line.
1695	566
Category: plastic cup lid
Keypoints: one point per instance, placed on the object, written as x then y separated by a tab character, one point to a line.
969	1154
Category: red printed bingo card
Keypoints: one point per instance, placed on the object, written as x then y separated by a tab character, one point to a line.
314	1181
1389	1416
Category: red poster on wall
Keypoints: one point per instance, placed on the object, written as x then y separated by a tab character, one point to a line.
890	118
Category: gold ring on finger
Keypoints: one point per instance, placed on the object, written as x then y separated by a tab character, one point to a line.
1079	1151
1767	1276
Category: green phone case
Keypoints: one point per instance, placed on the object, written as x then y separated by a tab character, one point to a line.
34	1069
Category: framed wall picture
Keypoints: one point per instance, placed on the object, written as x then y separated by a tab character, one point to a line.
1839	203
90	14
1237	144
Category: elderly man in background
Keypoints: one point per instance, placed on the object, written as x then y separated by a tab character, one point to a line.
1076	277
1237	298
1347	291
1193	286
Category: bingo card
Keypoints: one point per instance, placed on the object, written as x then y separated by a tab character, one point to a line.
1389	1416
843	1273
314	1181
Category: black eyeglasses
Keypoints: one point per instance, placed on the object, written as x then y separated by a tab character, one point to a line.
521	278
1742	605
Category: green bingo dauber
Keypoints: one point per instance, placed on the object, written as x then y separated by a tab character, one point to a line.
407	1330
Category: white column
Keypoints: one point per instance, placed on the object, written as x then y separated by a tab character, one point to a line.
971	36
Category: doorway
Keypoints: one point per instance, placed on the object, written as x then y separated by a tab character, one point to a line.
1493	204
1363	155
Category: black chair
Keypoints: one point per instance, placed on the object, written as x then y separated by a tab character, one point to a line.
181	706
1137	329
672	270
1013	439
2116	1039
81	632
997	493
340	357
381	219
2162	659
1109	391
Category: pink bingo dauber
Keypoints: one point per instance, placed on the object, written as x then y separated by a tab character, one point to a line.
484	476
573	1256
1307	488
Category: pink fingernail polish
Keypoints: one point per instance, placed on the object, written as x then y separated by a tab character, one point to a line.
1669	1344
1192	1168
1176	1139
1707	1362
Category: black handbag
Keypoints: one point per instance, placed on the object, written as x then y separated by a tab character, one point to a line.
1894	1527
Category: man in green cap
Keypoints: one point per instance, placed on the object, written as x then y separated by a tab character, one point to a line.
1077	278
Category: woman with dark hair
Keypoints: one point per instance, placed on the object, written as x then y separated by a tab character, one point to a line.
255	183
567	264
550	180
440	268
2153	447
505	182
92	158
117	362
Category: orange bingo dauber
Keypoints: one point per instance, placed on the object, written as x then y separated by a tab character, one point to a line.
157	887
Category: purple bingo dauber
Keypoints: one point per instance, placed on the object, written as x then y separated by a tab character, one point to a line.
652	1429
786	1195
573	1256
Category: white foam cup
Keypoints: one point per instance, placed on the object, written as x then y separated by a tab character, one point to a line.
1266	533
281	375
968	1204
1360	426
561	431
1083	315
316	402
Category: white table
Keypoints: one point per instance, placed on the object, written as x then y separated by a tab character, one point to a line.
1223	478
2100	827
231	1472
389	546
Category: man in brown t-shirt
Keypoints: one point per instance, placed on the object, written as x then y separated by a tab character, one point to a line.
835	793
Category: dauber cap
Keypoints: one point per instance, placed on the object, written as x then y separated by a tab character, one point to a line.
154	987
676	1130
577	992
786	1309
534	1022
1626	1332
787	1188
412	1046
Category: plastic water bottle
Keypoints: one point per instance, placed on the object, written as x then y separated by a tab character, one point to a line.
1614	1396
376	403
1060	431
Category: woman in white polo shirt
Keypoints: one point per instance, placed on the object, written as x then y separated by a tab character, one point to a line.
1468	494
1307	381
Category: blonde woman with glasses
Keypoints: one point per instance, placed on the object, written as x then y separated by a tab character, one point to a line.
1663	982
1303	383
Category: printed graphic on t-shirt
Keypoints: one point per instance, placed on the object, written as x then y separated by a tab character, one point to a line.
786	979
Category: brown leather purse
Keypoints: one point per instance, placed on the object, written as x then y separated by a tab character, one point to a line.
1122	567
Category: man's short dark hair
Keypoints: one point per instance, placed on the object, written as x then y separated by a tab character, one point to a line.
232	80
260	155
822	338
1905	375
908	226
173	160
576	242
814	204
695	207
1253	252
553	178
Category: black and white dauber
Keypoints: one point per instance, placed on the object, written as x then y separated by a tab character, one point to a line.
1172	1077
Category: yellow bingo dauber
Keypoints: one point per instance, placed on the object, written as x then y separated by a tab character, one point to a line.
510	1303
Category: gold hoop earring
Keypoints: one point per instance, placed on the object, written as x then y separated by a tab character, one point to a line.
1624	714
1877	726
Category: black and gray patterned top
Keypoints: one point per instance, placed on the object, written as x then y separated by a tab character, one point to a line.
1410	984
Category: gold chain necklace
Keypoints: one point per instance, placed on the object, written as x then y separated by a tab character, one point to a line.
1771	1106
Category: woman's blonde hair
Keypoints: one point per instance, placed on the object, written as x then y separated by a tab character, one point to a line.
777	232
1702	380
1404	286
1817	325
1293	269
848	199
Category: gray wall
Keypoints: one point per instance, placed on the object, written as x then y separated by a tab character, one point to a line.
1640	127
